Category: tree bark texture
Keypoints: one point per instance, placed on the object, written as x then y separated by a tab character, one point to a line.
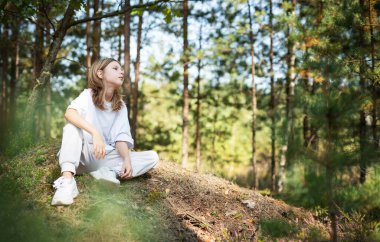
127	86
185	113
253	100
362	122
272	102
4	83
137	78
198	109
375	84
15	47
96	34
88	38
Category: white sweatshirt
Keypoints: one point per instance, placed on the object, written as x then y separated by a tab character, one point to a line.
119	129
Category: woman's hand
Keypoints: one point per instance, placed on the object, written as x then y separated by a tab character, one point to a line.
73	117
126	169
99	146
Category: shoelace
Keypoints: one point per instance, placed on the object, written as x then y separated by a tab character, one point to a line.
58	183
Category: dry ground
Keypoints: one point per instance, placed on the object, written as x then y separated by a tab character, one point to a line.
216	209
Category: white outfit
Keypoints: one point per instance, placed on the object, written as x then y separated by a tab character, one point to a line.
76	154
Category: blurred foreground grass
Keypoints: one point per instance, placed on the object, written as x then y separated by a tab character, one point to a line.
102	212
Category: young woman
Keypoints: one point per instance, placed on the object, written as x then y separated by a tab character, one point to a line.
97	137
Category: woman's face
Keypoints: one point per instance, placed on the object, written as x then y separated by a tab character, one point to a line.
113	75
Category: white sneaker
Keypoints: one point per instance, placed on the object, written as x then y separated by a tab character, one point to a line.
106	174
66	191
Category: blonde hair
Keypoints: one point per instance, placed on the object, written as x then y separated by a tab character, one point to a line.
97	86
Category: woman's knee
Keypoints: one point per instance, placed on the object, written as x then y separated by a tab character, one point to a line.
153	156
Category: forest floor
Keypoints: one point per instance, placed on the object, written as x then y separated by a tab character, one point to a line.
167	204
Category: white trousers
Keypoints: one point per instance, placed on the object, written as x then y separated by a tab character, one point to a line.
76	155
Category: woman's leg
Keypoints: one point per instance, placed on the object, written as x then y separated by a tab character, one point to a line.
69	156
71	148
143	161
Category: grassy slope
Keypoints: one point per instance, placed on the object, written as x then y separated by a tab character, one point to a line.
172	205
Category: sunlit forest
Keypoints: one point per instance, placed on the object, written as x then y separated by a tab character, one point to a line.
278	96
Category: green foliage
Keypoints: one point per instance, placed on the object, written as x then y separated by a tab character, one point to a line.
362	197
277	228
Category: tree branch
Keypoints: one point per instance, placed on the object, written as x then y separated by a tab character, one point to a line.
47	16
118	12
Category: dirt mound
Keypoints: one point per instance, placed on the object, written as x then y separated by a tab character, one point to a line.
216	209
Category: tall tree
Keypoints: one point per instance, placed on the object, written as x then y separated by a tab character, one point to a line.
272	104
48	95
127	86
362	122
14	76
198	107
372	21
89	41
4	78
137	76
185	112
290	83
254	102
96	33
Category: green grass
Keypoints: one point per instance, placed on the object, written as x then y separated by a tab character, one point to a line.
102	212
277	228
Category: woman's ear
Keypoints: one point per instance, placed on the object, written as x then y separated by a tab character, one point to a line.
99	73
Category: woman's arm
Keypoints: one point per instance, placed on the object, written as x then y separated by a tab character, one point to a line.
126	169
73	117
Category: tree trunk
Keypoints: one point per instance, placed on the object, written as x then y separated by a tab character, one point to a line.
290	83
185	113
89	41
374	82
362	122
198	108
314	139
272	102
15	47
44	78
127	87
96	34
48	104
137	77
38	46
119	35
254	102
38	119
306	121
1	65
330	167
4	85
